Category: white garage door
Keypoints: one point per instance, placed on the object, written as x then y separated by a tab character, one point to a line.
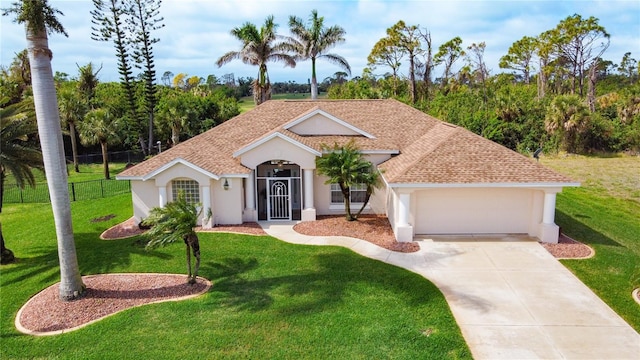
473	211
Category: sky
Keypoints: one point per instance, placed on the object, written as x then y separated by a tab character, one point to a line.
197	32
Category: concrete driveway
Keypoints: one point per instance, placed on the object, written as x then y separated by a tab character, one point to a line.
510	297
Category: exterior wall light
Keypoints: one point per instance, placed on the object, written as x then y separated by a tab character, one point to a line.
226	185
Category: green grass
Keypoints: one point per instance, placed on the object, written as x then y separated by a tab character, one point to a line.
87	172
269	300
88	184
246	103
603	213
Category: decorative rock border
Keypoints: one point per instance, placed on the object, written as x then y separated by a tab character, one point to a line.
123	292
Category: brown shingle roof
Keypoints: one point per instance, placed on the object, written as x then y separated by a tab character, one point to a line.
431	151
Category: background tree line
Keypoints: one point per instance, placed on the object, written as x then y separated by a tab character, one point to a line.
560	95
95	114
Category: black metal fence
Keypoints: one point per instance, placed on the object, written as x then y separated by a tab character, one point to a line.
114	156
82	190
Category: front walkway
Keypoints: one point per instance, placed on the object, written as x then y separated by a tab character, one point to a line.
510	297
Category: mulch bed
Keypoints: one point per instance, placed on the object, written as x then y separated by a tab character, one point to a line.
106	294
372	228
568	248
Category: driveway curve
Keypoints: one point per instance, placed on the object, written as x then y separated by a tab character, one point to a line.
510	297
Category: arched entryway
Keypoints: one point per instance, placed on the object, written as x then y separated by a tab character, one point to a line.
278	186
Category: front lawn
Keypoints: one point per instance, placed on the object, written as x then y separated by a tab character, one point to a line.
604	213
269	300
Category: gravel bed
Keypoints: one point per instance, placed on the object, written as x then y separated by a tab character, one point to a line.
107	294
372	228
567	248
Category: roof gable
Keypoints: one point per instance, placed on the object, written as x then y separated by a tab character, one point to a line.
272	136
167	166
320	122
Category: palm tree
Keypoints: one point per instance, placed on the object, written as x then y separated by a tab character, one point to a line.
19	155
99	127
345	166
567	117
312	42
174	111
258	48
72	108
40	19
174	222
88	81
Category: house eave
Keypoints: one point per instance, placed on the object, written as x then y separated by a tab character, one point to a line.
483	185
167	166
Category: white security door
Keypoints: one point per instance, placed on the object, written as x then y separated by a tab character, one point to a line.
279	199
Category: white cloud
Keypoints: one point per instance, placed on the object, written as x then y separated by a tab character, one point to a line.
196	32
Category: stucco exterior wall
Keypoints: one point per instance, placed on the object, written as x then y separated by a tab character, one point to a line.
227	205
178	171
322	200
472	210
144	196
278	149
537	207
319	125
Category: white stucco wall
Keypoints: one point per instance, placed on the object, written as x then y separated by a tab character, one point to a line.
319	125
144	195
537	207
278	149
472	210
227	205
179	171
322	200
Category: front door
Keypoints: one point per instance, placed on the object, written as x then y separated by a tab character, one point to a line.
278	199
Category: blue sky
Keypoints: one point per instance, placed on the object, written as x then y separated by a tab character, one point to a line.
196	32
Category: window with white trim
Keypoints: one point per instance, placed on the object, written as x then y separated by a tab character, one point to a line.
190	188
358	194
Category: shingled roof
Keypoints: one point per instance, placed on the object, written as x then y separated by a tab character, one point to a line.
429	151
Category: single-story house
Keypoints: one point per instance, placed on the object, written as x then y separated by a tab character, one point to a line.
437	178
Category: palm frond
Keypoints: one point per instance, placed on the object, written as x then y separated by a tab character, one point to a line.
172	223
337	60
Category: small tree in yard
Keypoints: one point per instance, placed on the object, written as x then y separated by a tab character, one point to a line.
99	127
344	165
176	221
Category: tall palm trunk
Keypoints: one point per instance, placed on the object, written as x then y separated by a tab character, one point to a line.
314	80
105	159
74	146
46	105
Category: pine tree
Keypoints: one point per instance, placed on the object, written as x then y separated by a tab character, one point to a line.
108	17
143	18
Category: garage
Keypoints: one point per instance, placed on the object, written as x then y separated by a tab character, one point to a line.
473	211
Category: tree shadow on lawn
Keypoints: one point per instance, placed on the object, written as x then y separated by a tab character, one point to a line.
580	231
95	256
326	283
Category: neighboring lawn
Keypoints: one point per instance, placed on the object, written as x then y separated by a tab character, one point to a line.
604	213
246	103
87	172
269	299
